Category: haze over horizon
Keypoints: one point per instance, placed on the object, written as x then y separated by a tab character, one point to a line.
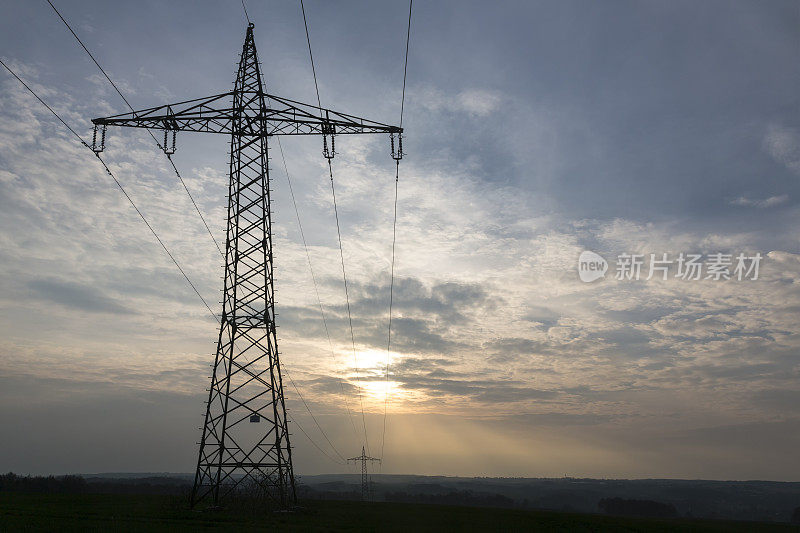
534	131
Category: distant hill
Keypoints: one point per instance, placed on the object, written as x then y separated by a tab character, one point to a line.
735	500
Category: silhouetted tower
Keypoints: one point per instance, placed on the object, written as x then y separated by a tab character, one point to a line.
245	440
365	486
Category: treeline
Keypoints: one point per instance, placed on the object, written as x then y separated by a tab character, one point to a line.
73	484
11	482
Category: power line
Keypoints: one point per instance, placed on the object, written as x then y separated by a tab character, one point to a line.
245	13
338	233
394	237
44	103
155	234
305	404
196	208
90	54
121	188
405	66
180	178
308	257
310	54
323	452
312	415
314	279
194	203
391	302
161	242
347	300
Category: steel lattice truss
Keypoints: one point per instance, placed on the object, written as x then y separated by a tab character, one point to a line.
245	441
246	383
219	114
366	493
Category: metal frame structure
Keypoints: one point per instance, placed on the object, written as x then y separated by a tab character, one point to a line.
282	117
236	455
365	485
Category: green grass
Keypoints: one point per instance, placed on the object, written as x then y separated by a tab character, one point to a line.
103	512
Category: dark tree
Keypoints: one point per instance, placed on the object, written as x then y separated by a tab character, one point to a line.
53	484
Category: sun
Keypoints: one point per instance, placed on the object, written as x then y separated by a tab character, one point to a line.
373	362
370	376
378	390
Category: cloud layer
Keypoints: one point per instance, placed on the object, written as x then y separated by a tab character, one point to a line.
496	343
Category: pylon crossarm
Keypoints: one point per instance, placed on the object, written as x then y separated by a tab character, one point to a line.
216	114
364	458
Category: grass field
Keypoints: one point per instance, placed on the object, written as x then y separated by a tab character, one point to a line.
101	512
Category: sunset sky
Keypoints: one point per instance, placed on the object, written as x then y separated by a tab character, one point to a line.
534	131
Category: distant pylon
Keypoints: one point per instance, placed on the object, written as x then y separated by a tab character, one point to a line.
365	486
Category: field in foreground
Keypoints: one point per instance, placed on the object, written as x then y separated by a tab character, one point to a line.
101	512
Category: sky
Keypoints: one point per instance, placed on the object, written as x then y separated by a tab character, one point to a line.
534	131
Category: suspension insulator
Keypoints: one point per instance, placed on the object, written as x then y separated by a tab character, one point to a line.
95	147
397	155
169	150
328	152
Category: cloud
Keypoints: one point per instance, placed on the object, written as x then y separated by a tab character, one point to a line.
772	201
453	388
475	102
479	102
783	144
77	296
503	187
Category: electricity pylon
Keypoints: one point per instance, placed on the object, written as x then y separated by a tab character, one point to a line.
365	488
236	454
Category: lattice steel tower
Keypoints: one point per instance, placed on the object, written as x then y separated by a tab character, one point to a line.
245	441
366	493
